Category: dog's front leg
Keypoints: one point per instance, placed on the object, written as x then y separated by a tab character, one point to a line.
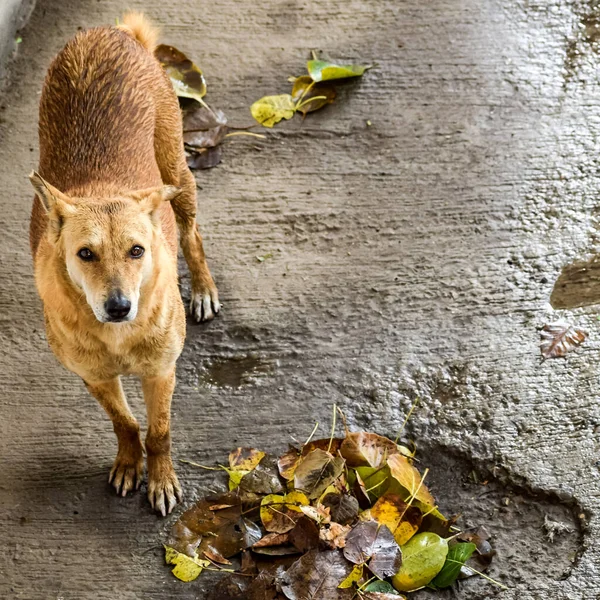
126	474
164	491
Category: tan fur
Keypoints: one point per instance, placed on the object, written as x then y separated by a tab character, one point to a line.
112	175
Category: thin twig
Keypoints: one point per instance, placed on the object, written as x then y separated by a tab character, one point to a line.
257	135
310	437
410	412
458	562
332	427
195	464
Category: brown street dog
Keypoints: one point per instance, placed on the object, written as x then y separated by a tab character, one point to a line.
112	186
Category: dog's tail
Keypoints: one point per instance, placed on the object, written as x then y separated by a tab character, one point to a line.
141	29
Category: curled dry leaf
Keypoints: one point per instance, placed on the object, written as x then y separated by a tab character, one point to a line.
323	70
186	77
305	89
371	543
205	158
334	535
204	127
269	110
560	338
361	449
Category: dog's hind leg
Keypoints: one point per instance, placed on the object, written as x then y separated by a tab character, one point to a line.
164	491
126	474
170	156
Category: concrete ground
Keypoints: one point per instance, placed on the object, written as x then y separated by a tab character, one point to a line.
415	256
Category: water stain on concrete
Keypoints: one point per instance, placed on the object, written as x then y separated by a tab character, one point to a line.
235	371
577	285
524	523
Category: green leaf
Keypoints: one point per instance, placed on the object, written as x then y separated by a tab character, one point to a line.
186	77
322	70
271	109
383	587
375	480
186	567
422	559
458	555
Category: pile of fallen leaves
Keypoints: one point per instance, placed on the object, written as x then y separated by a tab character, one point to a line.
334	519
205	128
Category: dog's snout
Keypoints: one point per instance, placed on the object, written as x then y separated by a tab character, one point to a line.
117	306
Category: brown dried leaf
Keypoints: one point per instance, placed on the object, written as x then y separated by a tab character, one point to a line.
316	576
186	77
559	338
369	541
362	449
342	506
205	158
316	472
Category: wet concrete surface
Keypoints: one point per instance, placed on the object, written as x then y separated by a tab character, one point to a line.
415	256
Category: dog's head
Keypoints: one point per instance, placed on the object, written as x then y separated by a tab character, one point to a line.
107	244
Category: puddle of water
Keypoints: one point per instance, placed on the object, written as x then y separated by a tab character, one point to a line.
577	285
234	372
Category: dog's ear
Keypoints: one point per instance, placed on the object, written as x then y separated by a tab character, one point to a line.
57	205
51	198
153	198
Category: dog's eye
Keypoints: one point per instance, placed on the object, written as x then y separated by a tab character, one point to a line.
85	254
136	252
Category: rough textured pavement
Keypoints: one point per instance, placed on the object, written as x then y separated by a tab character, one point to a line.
415	256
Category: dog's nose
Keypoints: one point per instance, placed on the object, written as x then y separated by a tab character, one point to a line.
117	306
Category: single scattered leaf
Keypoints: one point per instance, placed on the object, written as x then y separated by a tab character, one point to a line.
361	449
409	478
271	109
316	576
186	568
281	513
422	559
186	77
355	576
322	70
560	338
316	471
305	88
373	543
458	555
483	556
205	158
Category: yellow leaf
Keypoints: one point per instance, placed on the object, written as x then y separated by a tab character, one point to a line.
400	518
245	459
186	568
410	479
277	513
235	477
271	109
354	576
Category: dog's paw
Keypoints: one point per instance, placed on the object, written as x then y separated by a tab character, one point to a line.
164	491
205	305
126	474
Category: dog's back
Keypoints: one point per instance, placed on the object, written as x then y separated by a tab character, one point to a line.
97	117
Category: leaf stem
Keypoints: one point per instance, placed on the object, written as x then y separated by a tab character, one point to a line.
458	562
410	412
257	135
332	427
195	464
310	437
301	104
